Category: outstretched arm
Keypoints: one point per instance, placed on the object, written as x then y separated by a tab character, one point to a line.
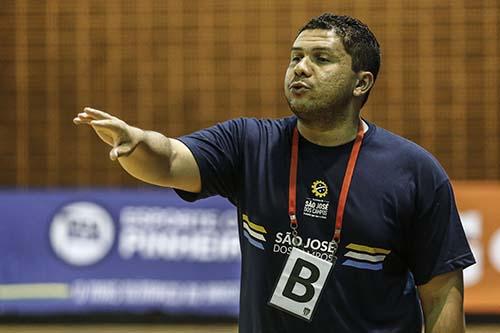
442	303
146	155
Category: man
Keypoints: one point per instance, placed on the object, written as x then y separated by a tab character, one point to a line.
333	211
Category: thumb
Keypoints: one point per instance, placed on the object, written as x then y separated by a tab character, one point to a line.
119	151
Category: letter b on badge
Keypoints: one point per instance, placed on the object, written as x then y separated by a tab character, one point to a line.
300	284
297	281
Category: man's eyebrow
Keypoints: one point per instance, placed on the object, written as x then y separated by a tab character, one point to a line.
313	49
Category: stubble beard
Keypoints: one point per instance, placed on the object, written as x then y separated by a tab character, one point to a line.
322	115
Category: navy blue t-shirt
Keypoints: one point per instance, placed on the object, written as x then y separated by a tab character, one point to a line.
401	226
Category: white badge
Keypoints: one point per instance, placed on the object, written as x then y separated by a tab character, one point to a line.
300	284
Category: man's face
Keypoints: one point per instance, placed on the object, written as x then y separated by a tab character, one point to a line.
319	80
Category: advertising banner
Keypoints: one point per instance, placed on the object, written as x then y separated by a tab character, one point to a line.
87	251
117	250
479	204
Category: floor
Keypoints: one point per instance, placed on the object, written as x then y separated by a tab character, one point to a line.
139	328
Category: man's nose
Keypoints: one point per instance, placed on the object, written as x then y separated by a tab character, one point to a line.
303	68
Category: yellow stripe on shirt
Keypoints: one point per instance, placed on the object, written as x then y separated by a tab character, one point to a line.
254	226
368	249
253	233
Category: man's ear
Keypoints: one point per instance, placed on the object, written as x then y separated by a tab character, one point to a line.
364	83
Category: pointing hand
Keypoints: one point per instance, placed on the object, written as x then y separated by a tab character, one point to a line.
114	131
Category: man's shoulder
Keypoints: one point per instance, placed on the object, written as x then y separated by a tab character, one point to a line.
405	152
272	123
261	127
399	144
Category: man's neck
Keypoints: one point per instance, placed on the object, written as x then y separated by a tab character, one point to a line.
330	136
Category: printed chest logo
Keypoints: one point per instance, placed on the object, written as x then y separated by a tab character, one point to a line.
319	189
316	206
322	249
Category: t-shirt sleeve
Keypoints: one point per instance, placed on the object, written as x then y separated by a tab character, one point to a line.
217	151
438	243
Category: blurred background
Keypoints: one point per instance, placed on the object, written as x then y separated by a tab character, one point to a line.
179	66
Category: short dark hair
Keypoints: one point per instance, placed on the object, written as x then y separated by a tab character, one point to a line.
359	42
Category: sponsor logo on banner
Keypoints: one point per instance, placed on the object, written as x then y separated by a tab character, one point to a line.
178	234
473	227
82	233
172	293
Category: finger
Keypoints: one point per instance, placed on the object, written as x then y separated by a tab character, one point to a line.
83	118
105	123
120	151
79	121
97	114
86	115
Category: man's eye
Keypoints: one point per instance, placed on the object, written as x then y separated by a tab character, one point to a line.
323	59
295	58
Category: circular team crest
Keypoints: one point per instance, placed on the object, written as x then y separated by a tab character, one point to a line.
319	189
82	233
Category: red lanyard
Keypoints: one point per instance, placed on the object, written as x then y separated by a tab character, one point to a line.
292	189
